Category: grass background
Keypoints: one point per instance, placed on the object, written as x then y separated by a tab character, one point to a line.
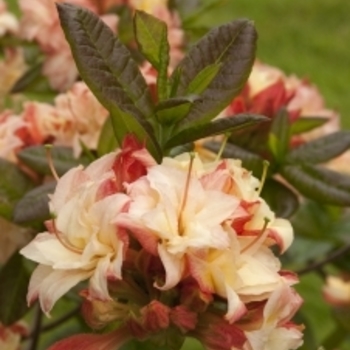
310	38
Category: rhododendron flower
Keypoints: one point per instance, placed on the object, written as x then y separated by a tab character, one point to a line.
10	141
10	337
40	22
277	332
82	242
8	21
197	218
337	291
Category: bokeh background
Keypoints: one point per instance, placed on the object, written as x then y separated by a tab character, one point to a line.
310	38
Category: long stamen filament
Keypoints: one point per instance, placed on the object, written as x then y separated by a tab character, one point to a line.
222	148
266	165
185	195
66	245
258	237
50	162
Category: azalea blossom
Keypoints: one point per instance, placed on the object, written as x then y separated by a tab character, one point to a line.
10	337
8	21
82	242
337	291
207	221
40	23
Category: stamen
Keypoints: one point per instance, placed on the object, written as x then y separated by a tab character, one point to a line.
185	195
266	165
50	162
222	148
258	237
66	245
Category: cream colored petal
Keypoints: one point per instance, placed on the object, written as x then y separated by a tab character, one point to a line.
173	266
56	284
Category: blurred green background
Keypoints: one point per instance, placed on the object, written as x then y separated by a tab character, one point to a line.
310	38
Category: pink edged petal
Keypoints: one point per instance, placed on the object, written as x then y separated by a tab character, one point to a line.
236	308
146	238
36	279
144	157
282	305
101	166
56	284
173	266
109	341
281	231
200	271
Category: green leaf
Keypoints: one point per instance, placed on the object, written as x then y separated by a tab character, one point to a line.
152	38
62	157
232	46
14	281
321	149
203	79
33	208
216	127
107	141
113	76
174	109
32	81
310	182
250	160
279	135
304	124
280	198
150	33
13	185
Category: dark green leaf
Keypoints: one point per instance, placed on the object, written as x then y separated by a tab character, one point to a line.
107	142
215	127
113	76
13	185
321	149
174	109
303	124
33	207
150	33
62	157
279	135
250	161
233	46
14	280
280	198
312	184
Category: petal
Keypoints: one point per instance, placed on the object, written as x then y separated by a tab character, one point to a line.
101	166
281	231
173	266
109	341
236	308
56	284
98	282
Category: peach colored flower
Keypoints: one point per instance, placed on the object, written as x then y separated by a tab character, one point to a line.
197	219
337	291
86	116
82	242
40	23
10	142
10	337
8	21
277	332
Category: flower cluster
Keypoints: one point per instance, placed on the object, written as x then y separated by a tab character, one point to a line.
182	246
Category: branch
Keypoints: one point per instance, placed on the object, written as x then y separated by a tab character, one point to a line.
318	264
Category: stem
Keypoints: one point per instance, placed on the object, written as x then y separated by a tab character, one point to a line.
54	324
35	335
318	264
